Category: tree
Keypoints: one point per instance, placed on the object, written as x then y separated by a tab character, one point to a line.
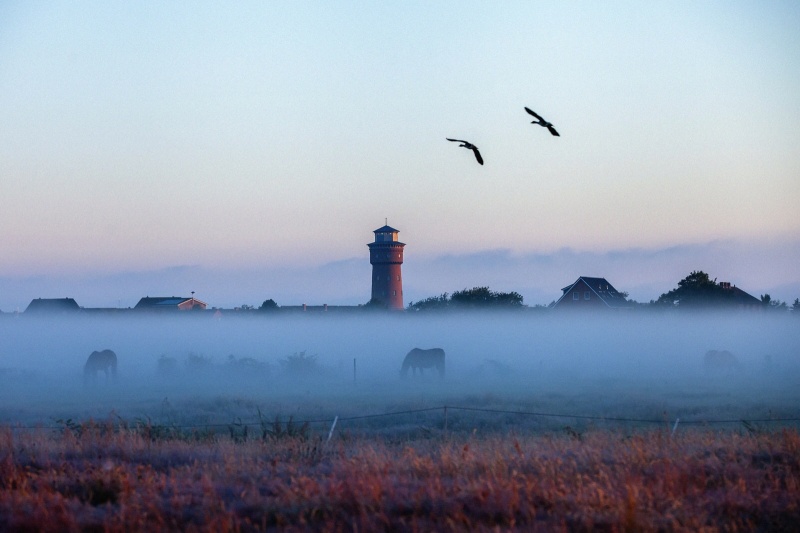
772	305
299	364
483	297
475	298
796	307
432	303
697	290
268	305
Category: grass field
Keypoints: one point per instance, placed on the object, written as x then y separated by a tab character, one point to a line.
228	455
104	477
573	425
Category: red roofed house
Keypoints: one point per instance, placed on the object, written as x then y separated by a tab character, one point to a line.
170	303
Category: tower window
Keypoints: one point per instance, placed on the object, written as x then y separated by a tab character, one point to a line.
398	277
586	295
394	293
576	295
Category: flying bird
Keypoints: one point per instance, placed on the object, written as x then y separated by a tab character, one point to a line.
470	146
542	122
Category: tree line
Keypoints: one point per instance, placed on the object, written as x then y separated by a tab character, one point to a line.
699	291
695	291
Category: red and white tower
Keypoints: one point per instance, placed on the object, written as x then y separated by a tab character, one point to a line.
386	257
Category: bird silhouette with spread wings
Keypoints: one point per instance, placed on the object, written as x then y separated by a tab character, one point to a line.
470	146
542	122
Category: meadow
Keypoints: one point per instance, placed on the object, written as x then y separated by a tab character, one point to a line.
97	477
540	423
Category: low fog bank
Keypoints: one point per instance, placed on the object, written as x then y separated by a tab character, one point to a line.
352	364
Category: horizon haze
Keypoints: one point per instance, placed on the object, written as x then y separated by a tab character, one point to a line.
644	273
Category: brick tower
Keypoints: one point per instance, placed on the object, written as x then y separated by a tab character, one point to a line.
386	256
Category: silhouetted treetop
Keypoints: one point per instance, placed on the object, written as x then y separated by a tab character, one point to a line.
433	302
268	305
698	290
475	298
483	297
773	305
695	290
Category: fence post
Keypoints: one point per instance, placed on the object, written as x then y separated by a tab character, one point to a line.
330	433
445	418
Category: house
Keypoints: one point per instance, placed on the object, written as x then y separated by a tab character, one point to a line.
170	303
737	297
591	293
53	305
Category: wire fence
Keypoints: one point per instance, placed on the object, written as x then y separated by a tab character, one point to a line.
444	409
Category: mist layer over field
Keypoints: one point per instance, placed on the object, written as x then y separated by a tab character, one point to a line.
206	370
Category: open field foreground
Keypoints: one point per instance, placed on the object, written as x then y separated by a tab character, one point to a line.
107	478
540	422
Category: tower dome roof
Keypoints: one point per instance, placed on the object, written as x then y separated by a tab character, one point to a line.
386	229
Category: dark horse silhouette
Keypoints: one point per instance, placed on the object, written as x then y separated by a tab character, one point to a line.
105	361
420	359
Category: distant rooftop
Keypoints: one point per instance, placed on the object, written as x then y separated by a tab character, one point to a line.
53	305
602	289
170	302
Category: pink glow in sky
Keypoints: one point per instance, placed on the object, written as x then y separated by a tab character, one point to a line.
261	138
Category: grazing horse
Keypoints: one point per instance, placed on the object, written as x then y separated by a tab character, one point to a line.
419	359
105	361
720	361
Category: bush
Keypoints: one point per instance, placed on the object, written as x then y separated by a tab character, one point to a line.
198	363
246	365
300	364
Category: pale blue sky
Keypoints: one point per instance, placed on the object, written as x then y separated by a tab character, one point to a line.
265	136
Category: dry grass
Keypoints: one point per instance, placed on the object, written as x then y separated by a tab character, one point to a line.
116	479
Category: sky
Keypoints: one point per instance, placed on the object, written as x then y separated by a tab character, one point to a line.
247	150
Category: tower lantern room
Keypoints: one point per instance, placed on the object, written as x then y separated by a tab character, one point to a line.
386	258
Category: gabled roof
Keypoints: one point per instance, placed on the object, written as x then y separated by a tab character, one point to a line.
739	296
52	305
601	288
744	298
154	301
